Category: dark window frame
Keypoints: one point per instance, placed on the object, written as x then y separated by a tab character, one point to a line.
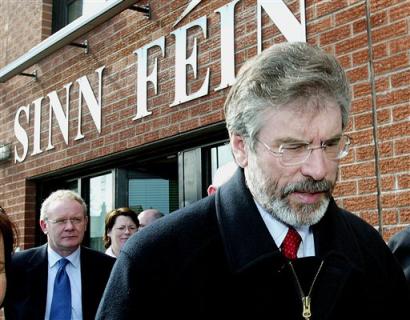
60	14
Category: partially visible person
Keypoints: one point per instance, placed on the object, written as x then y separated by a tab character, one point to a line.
272	241
400	246
148	216
61	279
120	224
222	175
8	240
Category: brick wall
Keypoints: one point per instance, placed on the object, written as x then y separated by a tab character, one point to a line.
379	124
23	24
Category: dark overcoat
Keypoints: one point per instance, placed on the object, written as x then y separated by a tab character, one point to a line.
216	259
400	246
27	283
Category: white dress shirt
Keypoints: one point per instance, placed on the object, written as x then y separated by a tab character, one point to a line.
278	231
110	252
73	270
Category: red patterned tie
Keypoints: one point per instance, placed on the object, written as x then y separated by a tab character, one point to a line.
291	244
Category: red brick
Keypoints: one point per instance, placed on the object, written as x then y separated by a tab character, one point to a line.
361	105
361	202
357	170
390	31
363	121
367	186
345	188
361	89
386	149
391	63
371	217
351	14
395	165
396	200
364	153
318	26
395	130
402	146
379	51
404	215
382	84
383	116
400	45
400	79
404	181
328	7
400	12
378	19
359	26
360	73
334	35
360	57
387	183
390	217
351	45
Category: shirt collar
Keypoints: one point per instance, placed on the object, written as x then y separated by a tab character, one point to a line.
53	257
278	229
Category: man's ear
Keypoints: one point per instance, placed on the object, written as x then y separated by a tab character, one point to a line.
43	226
239	150
211	189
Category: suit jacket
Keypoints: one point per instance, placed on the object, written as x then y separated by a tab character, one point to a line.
27	282
216	258
400	246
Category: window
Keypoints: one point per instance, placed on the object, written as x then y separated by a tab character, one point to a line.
101	201
66	11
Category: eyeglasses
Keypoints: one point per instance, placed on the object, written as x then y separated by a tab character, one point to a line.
63	222
292	154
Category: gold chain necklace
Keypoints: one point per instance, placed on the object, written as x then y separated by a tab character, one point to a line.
306	312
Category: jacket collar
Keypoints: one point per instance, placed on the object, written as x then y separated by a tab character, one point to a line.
244	234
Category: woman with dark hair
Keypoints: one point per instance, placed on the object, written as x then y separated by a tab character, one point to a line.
7	244
120	224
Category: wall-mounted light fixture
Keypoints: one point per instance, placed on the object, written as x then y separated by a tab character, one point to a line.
5	151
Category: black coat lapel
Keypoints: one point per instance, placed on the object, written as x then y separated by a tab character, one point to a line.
245	236
37	271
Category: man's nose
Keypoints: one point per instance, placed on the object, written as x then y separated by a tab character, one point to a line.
68	224
316	165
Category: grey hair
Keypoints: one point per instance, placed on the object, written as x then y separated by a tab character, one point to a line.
60	195
282	74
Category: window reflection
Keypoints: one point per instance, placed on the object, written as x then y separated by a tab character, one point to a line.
101	201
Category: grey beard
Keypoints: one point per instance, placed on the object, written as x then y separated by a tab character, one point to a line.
307	215
276	203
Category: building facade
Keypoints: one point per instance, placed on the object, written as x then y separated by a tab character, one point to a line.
125	103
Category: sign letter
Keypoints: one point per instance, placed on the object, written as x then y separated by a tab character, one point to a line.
62	118
94	106
284	19
21	134
181	63
227	13
143	78
37	126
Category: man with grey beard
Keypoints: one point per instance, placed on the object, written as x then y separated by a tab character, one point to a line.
271	242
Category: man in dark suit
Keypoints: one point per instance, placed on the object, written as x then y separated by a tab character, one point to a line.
400	246
271	243
33	275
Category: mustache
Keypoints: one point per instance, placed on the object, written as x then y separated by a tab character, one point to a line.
309	186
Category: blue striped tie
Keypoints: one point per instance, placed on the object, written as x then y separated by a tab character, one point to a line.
61	303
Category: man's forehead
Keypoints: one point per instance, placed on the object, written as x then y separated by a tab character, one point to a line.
292	121
65	204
